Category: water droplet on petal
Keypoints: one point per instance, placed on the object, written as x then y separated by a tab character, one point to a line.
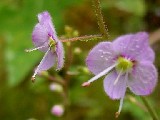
132	49
109	53
106	59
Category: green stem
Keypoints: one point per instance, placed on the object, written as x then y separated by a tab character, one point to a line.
99	16
150	109
53	79
83	38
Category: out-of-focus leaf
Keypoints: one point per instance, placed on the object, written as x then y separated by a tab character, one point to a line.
130	5
136	7
137	112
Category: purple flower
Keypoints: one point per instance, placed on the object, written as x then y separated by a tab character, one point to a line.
125	62
45	39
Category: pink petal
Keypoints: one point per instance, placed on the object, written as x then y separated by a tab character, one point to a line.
60	55
47	62
40	36
100	57
148	55
46	20
134	46
115	91
143	79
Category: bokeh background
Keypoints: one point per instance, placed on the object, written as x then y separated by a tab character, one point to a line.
22	100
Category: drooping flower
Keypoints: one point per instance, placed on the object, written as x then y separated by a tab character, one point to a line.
57	110
126	62
45	39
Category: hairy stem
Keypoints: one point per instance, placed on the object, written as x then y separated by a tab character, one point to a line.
150	109
83	38
99	16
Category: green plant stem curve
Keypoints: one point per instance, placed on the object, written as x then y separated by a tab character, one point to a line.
99	16
150	109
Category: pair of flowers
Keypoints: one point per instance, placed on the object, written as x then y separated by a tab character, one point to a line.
125	62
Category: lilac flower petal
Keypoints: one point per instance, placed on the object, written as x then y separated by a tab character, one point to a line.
40	36
143	79
104	72
60	55
115	91
100	57
147	55
134	46
46	20
47	62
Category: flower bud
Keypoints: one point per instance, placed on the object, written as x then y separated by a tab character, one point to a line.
57	110
31	119
85	70
56	87
68	44
75	33
77	50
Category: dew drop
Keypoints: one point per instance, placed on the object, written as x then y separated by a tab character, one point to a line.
124	47
107	53
103	52
100	50
106	59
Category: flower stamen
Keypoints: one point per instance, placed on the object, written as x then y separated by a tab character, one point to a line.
121	101
85	84
51	42
34	49
104	72
124	64
120	73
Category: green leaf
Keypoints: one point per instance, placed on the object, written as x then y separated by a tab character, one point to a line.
136	7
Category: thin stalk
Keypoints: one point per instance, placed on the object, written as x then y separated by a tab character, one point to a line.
66	101
54	79
67	78
150	109
99	17
83	38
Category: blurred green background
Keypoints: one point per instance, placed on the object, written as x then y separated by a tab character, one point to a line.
22	100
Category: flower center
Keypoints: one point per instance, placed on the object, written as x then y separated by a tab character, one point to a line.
51	42
124	64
